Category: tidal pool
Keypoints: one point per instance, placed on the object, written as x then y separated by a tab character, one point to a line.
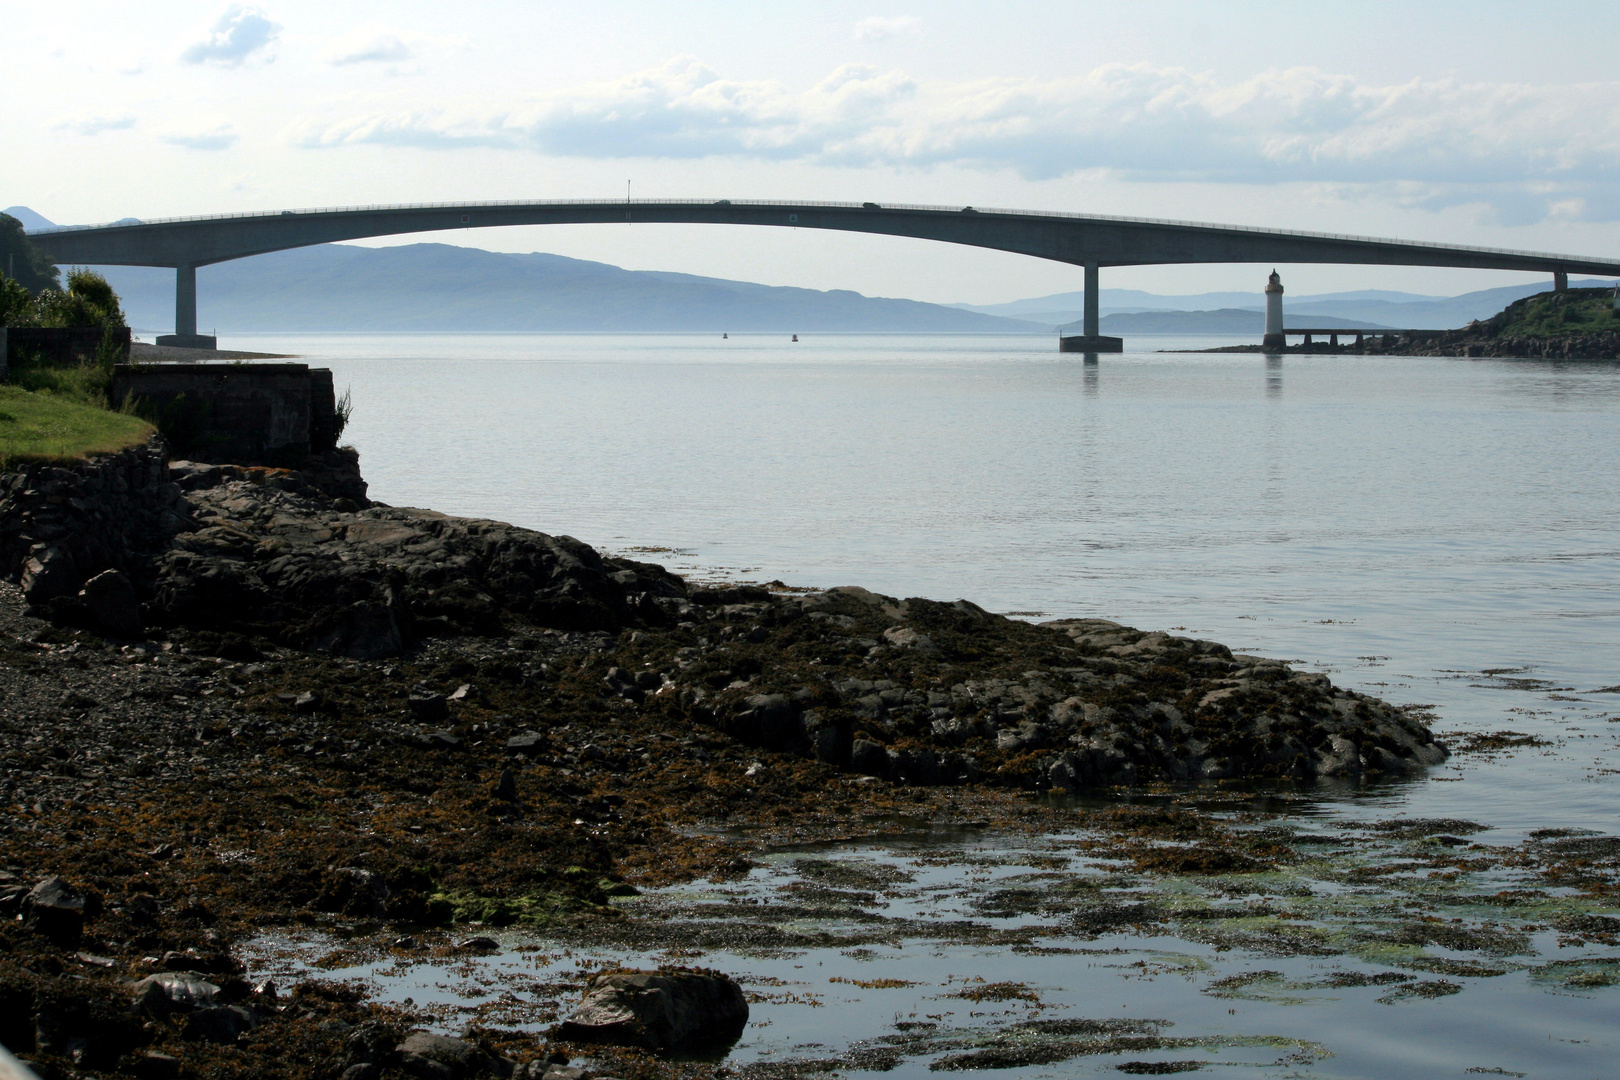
1392	947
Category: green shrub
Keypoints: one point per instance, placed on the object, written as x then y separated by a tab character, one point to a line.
342	411
16	303
87	301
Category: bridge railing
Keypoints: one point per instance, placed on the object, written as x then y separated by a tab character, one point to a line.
900	207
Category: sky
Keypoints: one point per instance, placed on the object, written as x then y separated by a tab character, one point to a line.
1471	123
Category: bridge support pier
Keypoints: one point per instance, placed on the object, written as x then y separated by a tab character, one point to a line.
185	334
1091	341
1560	281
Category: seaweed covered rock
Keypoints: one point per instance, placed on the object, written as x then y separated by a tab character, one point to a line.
668	1009
1070	704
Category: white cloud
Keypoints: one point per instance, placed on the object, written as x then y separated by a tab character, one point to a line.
238	34
878	27
371	45
1522	149
219	138
95	125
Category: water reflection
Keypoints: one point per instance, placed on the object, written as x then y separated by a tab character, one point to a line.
1090	372
1273	375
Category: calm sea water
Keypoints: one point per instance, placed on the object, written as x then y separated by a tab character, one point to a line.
1432	531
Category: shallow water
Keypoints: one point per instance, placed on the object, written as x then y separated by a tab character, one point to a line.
1430	531
906	956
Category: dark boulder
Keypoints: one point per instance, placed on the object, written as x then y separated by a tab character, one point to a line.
174	991
668	1009
868	758
221	1025
56	910
440	1057
527	742
111	606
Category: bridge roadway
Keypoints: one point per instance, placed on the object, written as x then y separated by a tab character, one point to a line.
1087	240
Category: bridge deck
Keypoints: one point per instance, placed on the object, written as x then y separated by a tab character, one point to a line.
1088	240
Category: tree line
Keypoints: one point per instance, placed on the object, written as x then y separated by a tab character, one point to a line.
31	293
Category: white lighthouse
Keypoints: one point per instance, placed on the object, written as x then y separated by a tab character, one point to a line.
1274	320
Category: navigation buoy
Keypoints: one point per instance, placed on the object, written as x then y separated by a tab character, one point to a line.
795	337
724	336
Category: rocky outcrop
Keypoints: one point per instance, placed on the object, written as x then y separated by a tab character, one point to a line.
334	474
664	1010
278	560
86	540
60	525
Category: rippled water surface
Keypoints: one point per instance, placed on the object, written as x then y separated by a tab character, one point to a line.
1433	531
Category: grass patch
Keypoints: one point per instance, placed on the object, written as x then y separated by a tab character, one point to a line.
46	426
88	383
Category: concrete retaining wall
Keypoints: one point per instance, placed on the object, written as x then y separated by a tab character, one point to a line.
236	413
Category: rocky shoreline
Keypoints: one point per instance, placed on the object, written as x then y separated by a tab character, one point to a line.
1467	343
241	696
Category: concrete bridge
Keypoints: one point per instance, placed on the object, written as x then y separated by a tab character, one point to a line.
1087	240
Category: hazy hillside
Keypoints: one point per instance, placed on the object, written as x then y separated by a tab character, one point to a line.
1221	321
1406	311
441	287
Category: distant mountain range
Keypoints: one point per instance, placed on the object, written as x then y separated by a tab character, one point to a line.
1363	308
442	287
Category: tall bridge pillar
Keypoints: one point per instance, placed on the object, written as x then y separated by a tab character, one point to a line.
185	334
1092	300
1090	340
1560	281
